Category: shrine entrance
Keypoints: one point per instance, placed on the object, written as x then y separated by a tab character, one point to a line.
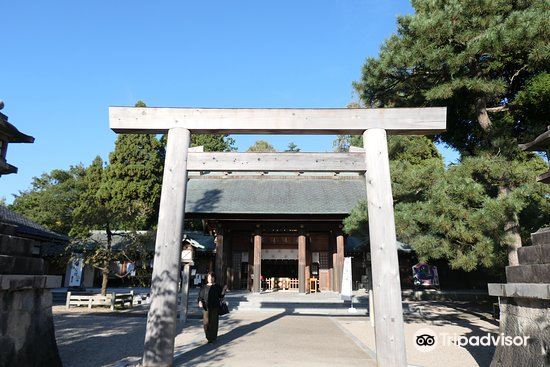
280	268
279	263
372	124
268	244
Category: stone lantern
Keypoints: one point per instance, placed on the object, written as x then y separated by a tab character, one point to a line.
9	134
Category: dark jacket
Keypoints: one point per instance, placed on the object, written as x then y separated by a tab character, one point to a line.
210	296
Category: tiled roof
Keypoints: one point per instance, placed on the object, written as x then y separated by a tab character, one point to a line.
357	244
274	195
205	240
14	135
28	228
121	239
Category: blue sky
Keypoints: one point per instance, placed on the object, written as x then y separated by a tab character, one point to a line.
64	62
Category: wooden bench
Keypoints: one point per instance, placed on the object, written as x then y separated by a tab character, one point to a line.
122	299
109	300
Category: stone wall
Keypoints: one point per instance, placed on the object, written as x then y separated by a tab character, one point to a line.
525	317
27	335
525	305
27	332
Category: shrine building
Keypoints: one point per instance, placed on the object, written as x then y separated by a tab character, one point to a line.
285	226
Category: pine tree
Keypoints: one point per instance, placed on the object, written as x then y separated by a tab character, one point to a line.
457	214
134	179
292	148
415	166
485	61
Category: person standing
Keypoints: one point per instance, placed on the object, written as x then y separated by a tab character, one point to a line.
209	300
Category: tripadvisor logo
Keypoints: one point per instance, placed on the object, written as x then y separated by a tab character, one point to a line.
425	340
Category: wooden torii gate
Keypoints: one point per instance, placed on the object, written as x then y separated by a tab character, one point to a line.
371	123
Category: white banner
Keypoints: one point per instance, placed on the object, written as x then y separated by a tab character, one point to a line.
346	279
76	272
314	257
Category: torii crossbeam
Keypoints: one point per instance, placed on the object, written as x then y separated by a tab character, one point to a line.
179	123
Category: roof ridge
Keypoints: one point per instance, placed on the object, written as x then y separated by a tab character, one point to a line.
24	224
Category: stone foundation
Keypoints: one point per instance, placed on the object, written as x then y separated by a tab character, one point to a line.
525	306
26	329
27	335
524	317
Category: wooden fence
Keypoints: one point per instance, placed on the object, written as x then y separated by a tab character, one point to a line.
280	283
109	300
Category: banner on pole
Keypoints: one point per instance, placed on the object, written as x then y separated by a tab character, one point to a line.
75	278
346	279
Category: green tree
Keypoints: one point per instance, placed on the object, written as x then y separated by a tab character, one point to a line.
124	195
485	61
133	179
93	210
210	142
343	142
457	214
292	148
415	166
261	146
463	218
213	143
472	56
50	200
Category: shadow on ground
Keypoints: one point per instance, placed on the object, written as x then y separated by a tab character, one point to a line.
104	340
462	314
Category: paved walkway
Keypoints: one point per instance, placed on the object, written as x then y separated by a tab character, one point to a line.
441	319
245	339
262	336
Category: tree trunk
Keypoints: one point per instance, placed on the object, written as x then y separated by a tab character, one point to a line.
511	231
105	270
511	227
482	115
105	278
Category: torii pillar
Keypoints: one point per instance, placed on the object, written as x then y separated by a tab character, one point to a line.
161	319
388	309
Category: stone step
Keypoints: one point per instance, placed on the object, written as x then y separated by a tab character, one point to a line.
296	302
541	237
292	304
535	254
17	246
536	273
314	311
59	297
21	265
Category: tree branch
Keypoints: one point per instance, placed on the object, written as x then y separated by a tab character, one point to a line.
517	73
482	116
497	109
